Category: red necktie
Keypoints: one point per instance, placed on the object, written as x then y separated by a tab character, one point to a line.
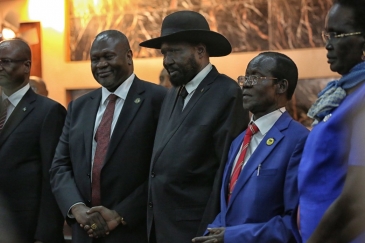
251	130
4	112
102	137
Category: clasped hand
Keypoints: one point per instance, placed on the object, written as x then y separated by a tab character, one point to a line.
96	221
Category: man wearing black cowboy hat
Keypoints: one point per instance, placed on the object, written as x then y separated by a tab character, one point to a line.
199	118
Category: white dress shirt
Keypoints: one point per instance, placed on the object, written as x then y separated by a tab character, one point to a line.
194	83
121	92
264	124
14	99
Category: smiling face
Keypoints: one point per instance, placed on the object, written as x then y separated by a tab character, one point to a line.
343	53
260	99
111	61
181	62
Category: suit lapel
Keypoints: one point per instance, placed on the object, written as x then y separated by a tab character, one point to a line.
90	110
132	103
260	155
174	125
227	174
22	110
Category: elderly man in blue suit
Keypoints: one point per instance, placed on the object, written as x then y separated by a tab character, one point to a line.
259	187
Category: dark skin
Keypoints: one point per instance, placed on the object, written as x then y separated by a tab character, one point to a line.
344	219
111	65
15	75
260	99
343	53
183	61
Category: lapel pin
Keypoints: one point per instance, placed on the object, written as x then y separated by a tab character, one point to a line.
327	117
201	91
137	100
270	141
25	108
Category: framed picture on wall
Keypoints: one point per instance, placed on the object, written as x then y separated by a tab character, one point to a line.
249	25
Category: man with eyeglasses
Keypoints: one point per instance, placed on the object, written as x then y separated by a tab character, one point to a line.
30	126
259	188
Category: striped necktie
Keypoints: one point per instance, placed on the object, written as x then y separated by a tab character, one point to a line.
4	112
251	130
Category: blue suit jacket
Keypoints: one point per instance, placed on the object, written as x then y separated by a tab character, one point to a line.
262	203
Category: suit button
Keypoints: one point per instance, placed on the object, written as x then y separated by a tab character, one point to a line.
150	205
88	175
153	174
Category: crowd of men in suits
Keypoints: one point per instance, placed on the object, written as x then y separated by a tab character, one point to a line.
136	162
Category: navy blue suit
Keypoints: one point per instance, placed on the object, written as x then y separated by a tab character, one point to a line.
262	203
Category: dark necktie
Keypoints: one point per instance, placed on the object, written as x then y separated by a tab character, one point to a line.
251	130
179	106
102	137
4	112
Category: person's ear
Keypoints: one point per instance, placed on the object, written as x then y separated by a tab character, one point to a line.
28	65
282	86
130	57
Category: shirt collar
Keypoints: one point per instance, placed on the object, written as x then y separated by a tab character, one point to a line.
266	122
194	83
15	98
121	91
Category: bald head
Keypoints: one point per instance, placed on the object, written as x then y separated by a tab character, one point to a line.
114	34
15	66
19	47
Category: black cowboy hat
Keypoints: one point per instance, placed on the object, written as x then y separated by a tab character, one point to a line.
190	26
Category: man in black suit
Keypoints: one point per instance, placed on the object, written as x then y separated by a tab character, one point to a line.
30	126
200	116
119	203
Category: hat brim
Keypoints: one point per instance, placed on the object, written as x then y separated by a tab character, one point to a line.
217	44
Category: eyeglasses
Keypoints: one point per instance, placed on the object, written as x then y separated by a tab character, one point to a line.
6	62
251	80
326	36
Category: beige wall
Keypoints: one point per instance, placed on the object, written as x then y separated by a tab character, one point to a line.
61	75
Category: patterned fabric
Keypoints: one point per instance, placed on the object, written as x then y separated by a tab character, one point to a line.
4	110
331	96
102	138
251	130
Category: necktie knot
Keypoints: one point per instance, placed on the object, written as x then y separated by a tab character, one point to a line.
112	98
183	92
252	129
5	104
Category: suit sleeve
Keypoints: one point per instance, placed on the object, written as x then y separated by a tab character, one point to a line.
62	178
133	208
233	121
50	220
278	228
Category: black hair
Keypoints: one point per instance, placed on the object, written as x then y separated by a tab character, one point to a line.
285	68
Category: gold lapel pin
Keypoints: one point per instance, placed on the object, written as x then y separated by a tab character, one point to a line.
25	108
137	100
270	141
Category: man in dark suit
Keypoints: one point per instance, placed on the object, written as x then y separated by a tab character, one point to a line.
30	126
112	180
259	190
200	116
